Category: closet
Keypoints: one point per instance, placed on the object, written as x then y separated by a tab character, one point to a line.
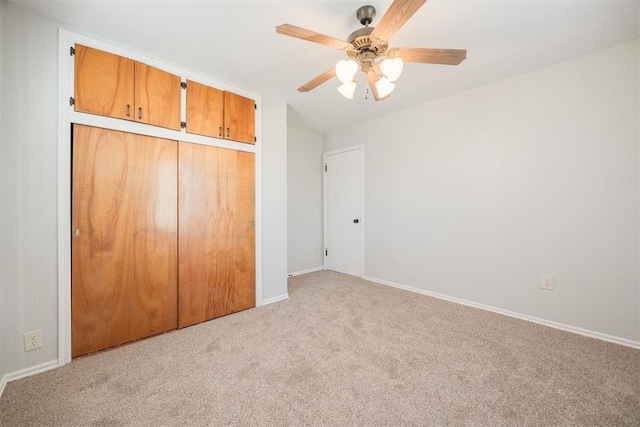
216	228
125	238
163	229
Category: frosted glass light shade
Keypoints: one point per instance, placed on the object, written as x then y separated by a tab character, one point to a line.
347	89
392	68
346	69
384	87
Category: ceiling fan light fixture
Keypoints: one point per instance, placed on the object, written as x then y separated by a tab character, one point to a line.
347	89
346	70
392	68
384	87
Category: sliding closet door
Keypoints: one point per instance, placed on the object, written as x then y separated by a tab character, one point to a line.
217	238
124	243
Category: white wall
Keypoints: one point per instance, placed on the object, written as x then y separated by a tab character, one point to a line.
2	37
29	196
28	269
274	199
304	190
482	192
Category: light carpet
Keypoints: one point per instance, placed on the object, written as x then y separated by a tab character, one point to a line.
342	351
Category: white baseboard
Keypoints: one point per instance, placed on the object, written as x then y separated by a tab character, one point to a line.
310	270
275	299
27	372
568	328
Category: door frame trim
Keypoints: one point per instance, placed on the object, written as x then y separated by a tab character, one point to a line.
360	148
67	116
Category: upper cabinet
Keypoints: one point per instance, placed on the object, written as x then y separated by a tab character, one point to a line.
157	97
114	86
103	83
110	85
220	114
205	110
239	118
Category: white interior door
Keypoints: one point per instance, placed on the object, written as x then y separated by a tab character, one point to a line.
343	211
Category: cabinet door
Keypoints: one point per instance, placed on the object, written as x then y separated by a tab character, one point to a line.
124	243
205	107
216	249
103	83
239	118
157	95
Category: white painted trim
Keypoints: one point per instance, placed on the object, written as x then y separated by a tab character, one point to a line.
359	147
309	270
154	131
258	202
556	325
66	116
275	299
65	90
27	372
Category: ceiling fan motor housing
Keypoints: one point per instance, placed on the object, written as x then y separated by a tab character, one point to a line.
362	42
365	14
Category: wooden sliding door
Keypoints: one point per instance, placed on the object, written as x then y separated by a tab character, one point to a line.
217	235
124	244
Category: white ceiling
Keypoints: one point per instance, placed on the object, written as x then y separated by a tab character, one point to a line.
236	42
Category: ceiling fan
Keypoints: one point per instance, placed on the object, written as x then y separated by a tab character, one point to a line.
368	50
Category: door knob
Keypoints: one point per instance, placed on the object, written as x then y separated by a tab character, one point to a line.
355	221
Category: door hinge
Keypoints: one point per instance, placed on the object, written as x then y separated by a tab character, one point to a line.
72	51
183	125
255	106
326	252
72	101
325	167
183	85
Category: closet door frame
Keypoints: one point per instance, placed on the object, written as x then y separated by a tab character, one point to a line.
67	116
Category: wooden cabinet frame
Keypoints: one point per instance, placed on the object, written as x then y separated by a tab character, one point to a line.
67	116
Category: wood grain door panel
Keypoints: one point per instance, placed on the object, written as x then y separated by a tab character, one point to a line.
157	95
103	83
205	110
239	118
124	265
216	232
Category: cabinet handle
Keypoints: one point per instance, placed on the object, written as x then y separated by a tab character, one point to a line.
139	113
220	131
128	110
228	133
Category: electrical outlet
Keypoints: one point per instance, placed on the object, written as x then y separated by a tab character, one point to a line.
32	340
546	282
395	258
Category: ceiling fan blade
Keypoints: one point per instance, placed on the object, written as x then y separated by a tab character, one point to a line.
429	56
318	80
395	17
371	78
312	36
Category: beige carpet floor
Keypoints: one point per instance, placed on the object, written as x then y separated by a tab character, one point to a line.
342	351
